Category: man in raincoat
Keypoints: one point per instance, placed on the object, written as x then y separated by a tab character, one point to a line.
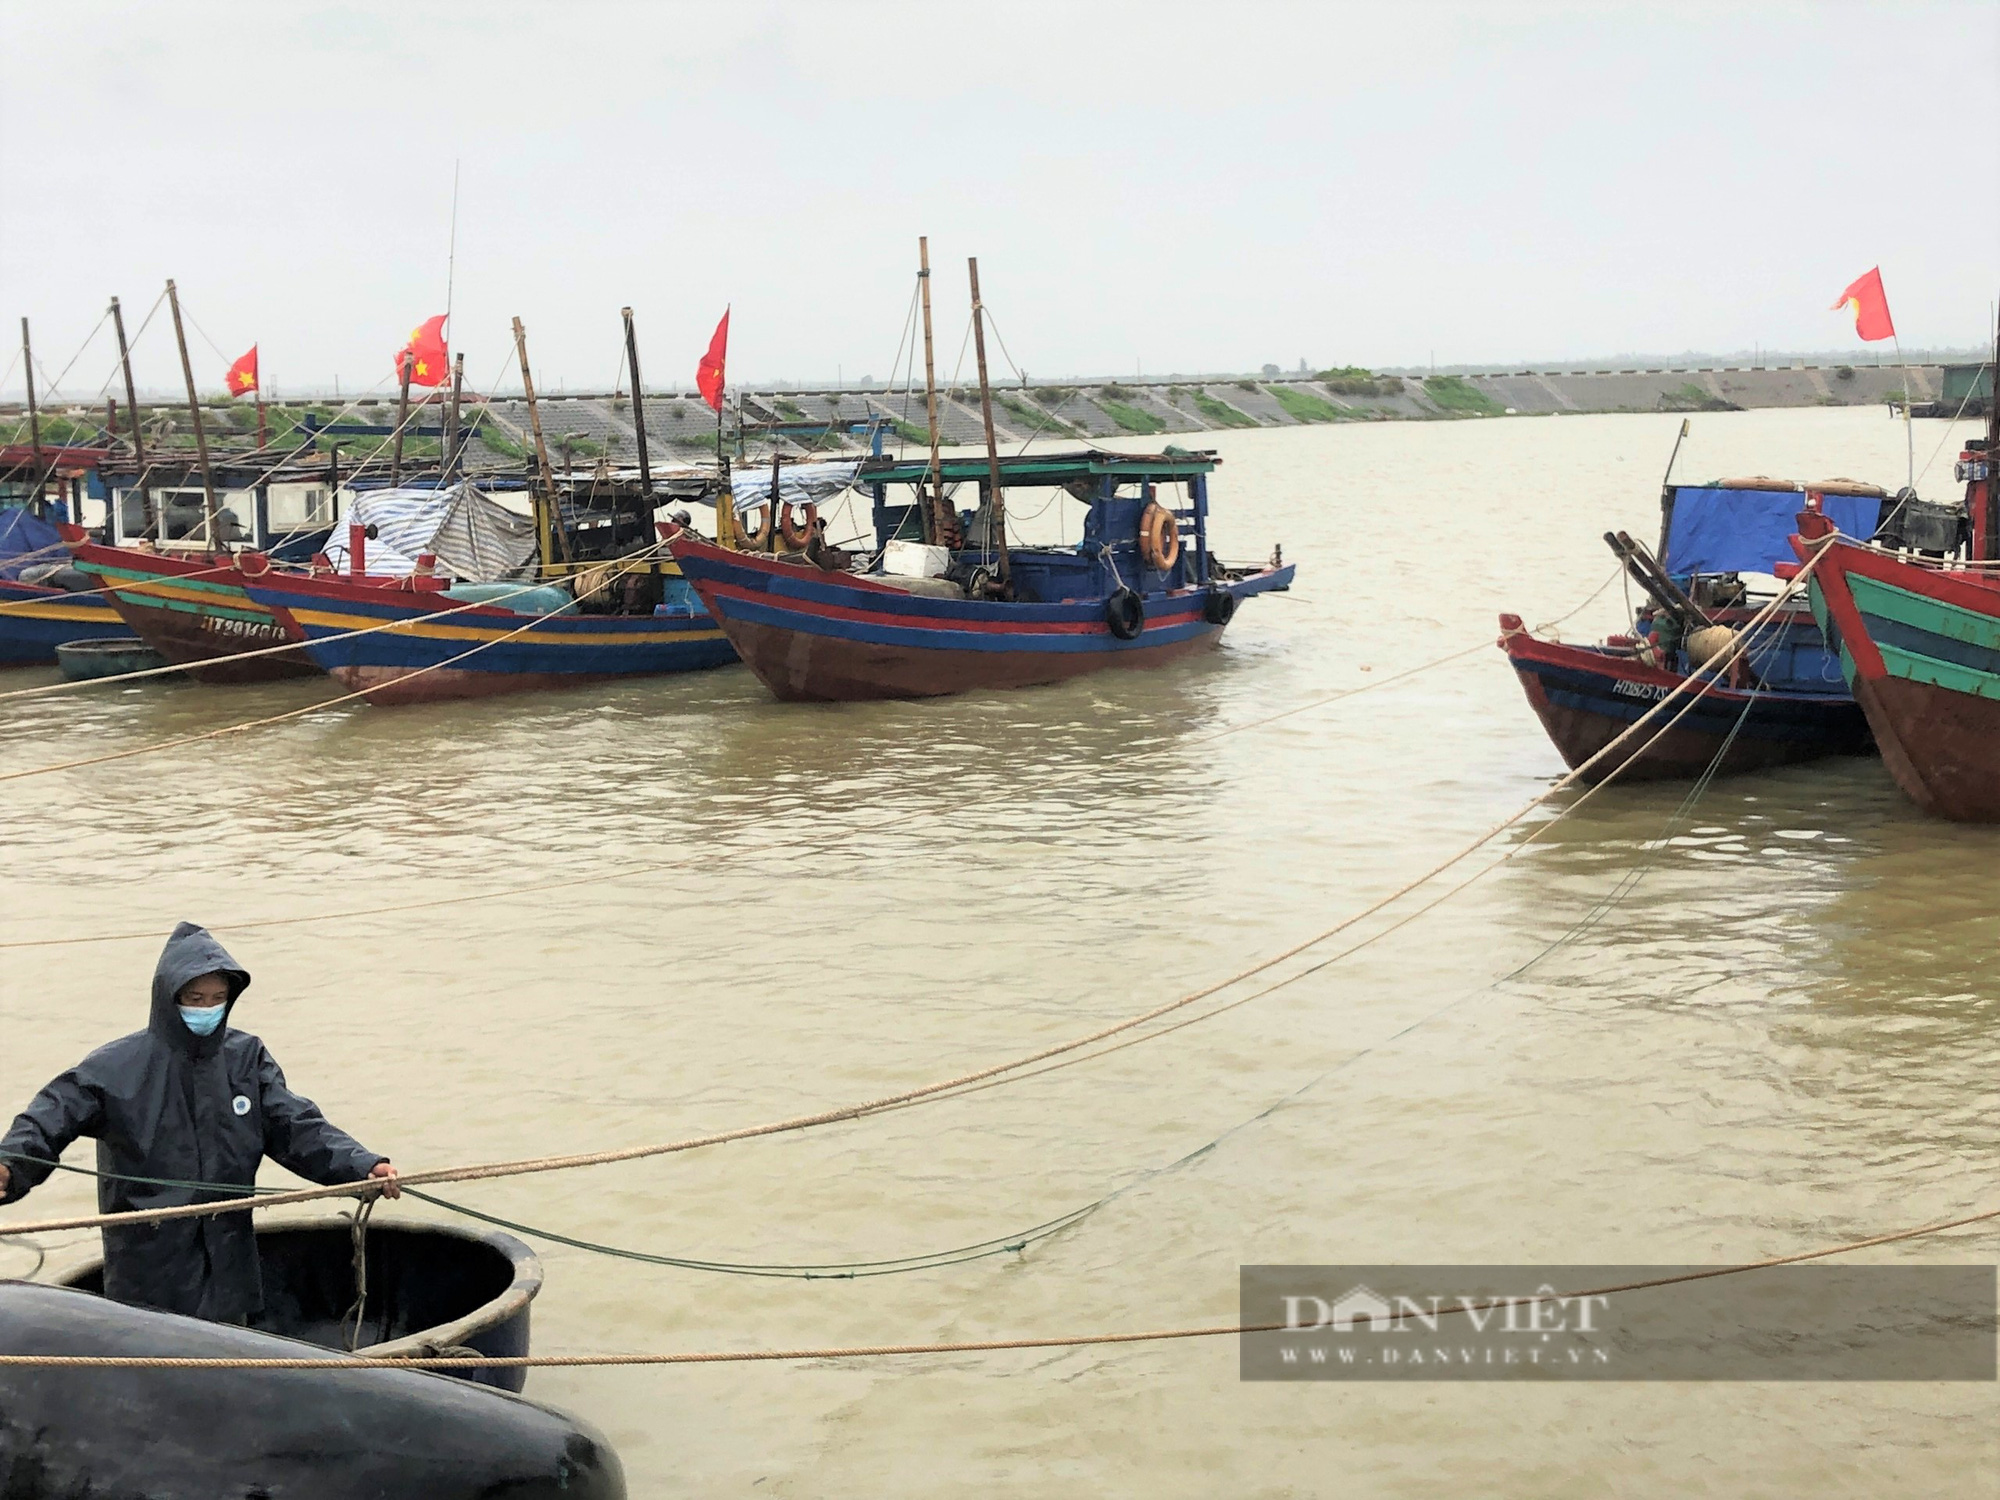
185	1101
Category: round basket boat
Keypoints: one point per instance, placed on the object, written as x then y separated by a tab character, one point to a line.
108	656
432	1289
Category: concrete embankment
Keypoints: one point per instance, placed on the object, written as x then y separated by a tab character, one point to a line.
585	429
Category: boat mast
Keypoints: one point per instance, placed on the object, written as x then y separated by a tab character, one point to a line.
997	525
450	455
211	518
934	499
402	420
34	413
638	411
554	538
132	410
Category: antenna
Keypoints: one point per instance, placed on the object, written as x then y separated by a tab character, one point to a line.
451	255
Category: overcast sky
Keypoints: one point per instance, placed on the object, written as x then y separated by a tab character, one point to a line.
1149	187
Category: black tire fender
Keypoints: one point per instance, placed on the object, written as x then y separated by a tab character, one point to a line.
1219	608
1125	613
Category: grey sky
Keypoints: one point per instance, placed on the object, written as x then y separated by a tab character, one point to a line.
1156	186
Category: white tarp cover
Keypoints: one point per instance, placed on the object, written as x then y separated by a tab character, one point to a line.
797	484
475	539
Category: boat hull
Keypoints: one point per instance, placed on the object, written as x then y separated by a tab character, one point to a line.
332	1433
479	651
1921	649
194	612
1586	696
812	636
113	656
35	620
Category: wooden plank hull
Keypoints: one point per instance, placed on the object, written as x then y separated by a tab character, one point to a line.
1921	649
36	620
479	651
1586	696
812	636
193	611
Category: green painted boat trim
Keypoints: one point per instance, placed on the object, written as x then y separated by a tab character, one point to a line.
132	575
1912	667
250	614
1922	613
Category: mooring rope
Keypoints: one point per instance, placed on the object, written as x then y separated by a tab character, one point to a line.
958	1346
521	1167
314	707
458	606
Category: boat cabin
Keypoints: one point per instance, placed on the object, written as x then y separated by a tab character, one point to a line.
951	535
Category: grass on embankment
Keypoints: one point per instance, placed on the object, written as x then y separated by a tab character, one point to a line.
1451	393
1220	412
1303	406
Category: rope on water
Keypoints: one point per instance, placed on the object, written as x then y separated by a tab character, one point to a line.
210	734
960	1346
485	1171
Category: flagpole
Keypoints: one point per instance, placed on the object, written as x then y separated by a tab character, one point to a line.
1909	436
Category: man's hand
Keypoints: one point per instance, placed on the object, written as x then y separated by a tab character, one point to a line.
384	1172
6	1177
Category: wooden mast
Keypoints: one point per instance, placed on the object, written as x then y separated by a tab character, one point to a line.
934	498
211	516
554	538
132	410
402	421
638	407
449	458
34	413
997	524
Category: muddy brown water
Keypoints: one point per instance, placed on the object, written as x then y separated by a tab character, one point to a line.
1781	1036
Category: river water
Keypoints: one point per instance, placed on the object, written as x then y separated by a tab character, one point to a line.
1781	1037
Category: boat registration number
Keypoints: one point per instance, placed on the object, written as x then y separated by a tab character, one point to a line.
1651	690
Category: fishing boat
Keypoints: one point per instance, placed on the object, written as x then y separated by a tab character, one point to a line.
44	603
926	619
333	1429
1780	701
37	618
531	638
430	1288
1917	628
109	656
191	608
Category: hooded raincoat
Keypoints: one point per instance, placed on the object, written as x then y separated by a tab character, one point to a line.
165	1103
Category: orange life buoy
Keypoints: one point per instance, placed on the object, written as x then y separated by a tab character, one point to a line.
1159	537
796	535
756	537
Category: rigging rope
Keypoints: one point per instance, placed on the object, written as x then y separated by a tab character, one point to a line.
944	1088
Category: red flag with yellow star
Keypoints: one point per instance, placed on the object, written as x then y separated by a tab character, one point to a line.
242	377
1871	307
425	354
708	375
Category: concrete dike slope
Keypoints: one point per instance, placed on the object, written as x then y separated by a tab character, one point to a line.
800	421
583	430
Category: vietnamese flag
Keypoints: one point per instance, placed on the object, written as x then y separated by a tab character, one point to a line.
242	376
708	374
1871	307
425	354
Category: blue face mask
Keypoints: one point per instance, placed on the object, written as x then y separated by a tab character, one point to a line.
202	1020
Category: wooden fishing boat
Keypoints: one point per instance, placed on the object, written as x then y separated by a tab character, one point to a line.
1782	701
1141	590
35	619
480	650
191	608
1586	696
1919	641
431	1288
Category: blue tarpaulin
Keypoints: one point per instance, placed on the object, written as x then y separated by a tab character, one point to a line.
21	535
1748	531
